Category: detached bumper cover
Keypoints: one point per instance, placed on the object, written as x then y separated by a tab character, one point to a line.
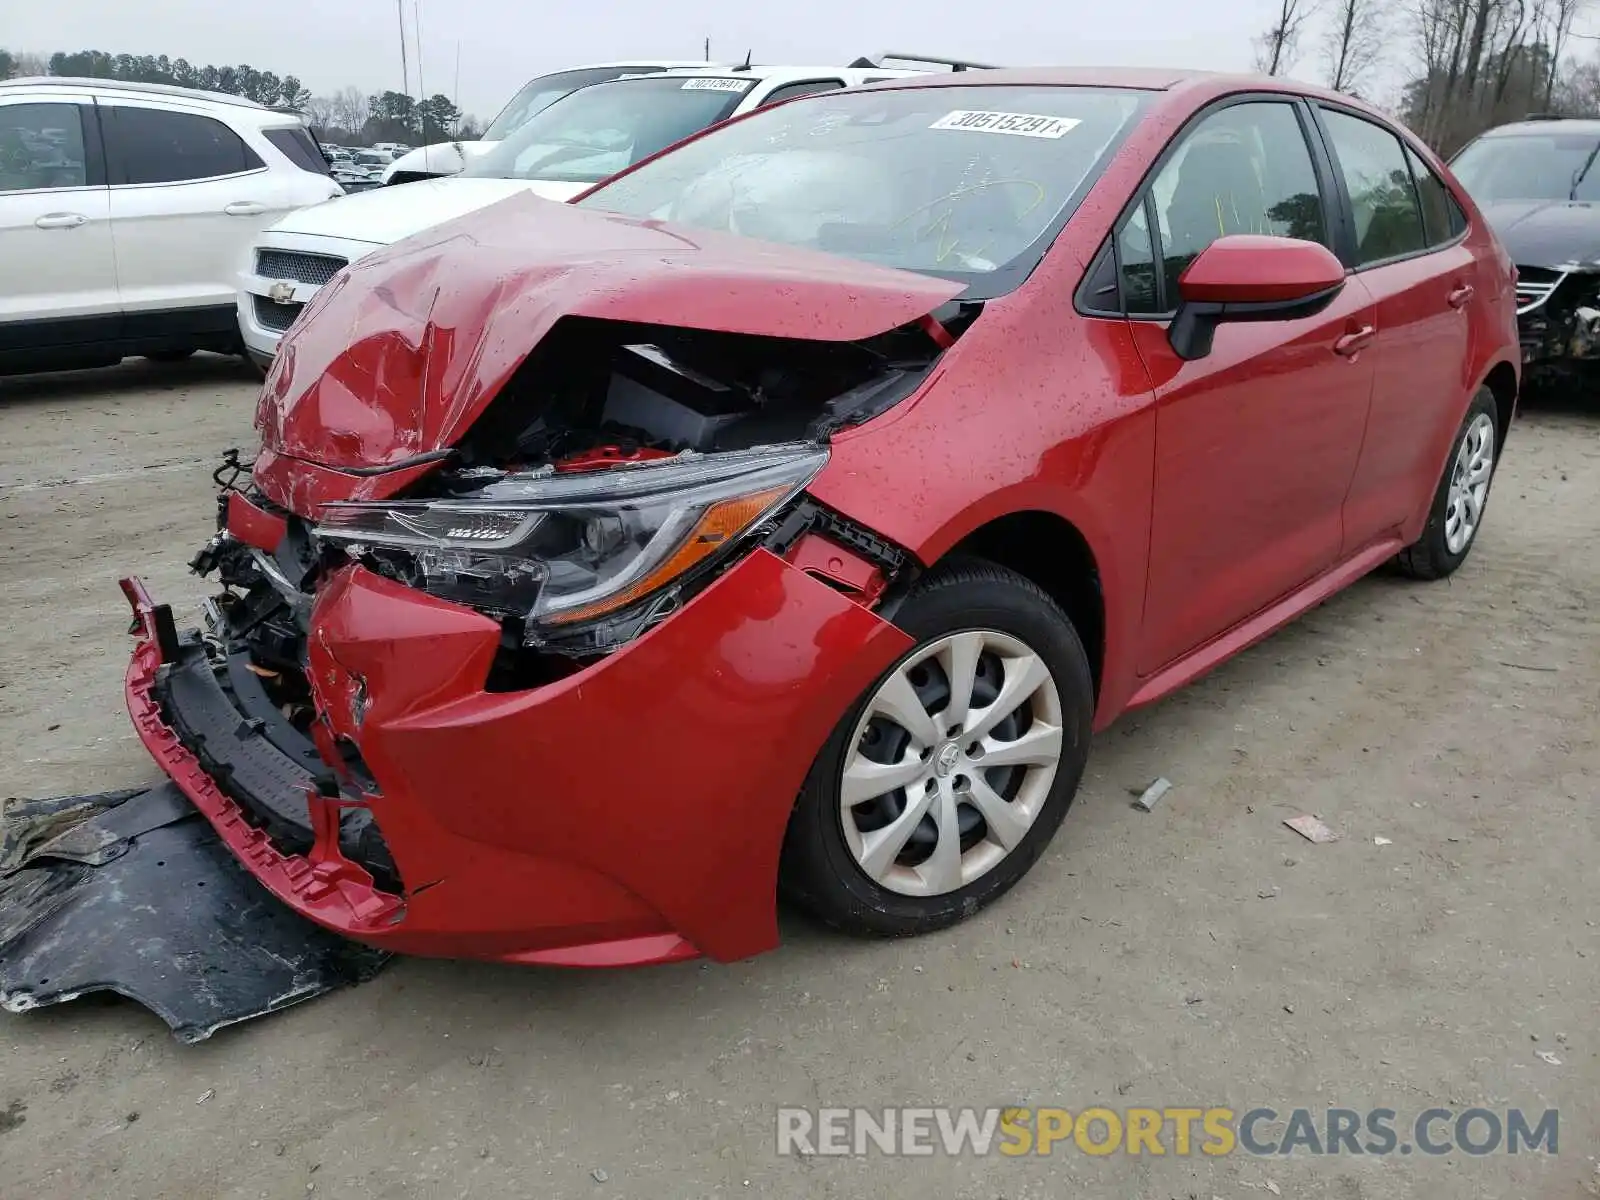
631	813
141	899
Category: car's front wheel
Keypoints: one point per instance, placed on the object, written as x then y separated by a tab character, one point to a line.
943	783
1456	514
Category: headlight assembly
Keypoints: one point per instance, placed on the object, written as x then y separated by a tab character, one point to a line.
588	557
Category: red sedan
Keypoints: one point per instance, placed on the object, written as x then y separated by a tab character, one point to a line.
786	515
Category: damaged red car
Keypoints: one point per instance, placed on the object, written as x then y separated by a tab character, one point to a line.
785	516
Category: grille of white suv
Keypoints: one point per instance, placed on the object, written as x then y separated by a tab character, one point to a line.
314	269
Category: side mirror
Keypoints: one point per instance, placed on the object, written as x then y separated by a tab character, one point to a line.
1248	277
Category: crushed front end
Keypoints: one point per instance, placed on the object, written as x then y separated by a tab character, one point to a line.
1558	321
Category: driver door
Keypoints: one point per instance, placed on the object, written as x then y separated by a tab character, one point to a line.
1257	442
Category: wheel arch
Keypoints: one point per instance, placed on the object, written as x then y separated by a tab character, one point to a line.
1501	381
1054	553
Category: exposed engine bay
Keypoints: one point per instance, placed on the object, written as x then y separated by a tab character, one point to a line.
614	473
594	383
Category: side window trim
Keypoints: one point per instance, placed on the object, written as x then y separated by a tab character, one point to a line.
1347	207
786	91
1326	172
116	172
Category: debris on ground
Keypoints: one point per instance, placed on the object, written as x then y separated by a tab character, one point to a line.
135	893
1148	798
1312	829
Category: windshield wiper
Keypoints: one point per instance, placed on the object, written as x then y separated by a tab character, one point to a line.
1582	171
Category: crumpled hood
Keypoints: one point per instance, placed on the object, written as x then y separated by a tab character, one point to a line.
1559	234
401	353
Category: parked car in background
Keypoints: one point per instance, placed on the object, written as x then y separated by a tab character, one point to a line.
125	211
372	161
446	158
566	148
789	512
1539	188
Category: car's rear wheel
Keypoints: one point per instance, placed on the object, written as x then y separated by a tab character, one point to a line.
943	783
1456	514
169	356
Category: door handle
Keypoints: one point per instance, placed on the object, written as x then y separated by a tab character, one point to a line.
1352	344
1460	295
245	208
61	220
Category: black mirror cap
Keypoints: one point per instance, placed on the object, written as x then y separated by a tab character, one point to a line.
1190	333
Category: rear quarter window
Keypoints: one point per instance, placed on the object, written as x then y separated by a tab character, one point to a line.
300	148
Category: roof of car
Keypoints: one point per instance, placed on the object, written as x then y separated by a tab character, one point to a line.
75	83
765	71
1157	79
1586	125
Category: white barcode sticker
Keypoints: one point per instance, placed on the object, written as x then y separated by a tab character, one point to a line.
701	83
1018	124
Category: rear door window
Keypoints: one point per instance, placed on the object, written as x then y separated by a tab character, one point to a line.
1383	198
1442	218
152	145
41	148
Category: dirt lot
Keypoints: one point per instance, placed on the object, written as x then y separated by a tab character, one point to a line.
1200	955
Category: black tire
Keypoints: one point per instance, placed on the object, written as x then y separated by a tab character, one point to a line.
1430	557
818	870
170	356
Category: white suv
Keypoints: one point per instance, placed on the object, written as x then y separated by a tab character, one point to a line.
561	152
538	94
126	211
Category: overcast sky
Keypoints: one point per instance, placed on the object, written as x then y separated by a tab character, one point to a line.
333	43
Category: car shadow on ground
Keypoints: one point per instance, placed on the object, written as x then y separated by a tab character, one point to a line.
131	375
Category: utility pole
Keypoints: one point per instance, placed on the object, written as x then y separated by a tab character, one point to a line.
405	67
422	131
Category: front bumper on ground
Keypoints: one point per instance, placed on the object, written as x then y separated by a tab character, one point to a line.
630	813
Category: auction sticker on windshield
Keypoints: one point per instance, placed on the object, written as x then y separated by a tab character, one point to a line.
1020	124
699	84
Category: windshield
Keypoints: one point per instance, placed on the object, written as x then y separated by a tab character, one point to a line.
544	91
596	132
1530	166
971	183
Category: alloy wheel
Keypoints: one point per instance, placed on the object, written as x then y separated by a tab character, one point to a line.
951	762
1469	484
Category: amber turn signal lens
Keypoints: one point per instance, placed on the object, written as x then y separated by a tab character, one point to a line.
718	525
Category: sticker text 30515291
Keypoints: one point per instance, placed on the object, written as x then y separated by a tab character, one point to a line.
1019	124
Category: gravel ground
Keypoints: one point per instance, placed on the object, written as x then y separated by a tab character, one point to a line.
1199	955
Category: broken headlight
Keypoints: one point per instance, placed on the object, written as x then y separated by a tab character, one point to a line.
589	557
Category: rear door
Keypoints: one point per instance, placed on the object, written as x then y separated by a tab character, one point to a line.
187	197
1407	243
56	255
1256	443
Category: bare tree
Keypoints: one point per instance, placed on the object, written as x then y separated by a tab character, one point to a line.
1275	49
1354	42
350	109
320	111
